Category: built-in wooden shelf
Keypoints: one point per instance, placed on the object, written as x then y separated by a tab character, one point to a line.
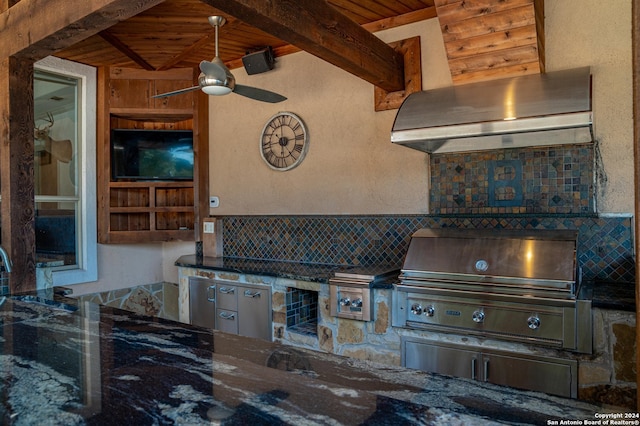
146	211
151	206
164	116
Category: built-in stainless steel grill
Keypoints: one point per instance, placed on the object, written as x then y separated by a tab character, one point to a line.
519	286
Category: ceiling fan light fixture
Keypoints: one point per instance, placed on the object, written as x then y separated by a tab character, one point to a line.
216	79
216	90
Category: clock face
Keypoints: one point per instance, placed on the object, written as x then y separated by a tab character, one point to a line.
284	141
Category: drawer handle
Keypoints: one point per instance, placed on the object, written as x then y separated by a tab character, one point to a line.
227	290
211	293
248	293
227	315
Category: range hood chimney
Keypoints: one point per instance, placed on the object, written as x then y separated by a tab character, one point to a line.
532	110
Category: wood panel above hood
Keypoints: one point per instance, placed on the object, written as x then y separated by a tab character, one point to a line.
485	40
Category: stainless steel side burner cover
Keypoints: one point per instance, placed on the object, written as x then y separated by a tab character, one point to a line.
351	290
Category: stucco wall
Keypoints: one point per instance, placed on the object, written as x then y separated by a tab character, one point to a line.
598	34
119	265
352	167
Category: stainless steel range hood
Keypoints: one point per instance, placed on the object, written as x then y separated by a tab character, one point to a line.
533	110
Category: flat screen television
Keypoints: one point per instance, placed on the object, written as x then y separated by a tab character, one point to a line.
151	154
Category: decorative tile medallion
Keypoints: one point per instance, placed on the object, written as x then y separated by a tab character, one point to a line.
505	183
548	180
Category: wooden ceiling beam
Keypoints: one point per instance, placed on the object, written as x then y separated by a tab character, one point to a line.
319	29
125	50
404	19
375	26
35	29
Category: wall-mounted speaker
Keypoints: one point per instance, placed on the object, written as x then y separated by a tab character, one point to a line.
258	62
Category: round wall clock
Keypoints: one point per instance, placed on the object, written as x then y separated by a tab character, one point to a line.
284	141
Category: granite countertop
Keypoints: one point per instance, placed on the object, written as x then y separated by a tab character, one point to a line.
81	363
618	296
281	269
293	270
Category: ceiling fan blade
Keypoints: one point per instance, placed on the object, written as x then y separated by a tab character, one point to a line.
214	69
258	94
177	92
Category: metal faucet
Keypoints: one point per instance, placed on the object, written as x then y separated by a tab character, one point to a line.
5	259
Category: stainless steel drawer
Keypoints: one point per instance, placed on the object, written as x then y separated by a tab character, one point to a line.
227	321
227	296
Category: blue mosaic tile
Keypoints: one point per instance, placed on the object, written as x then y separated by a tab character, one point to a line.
541	180
302	307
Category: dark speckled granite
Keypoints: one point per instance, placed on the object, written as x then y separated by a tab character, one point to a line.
87	364
619	296
293	270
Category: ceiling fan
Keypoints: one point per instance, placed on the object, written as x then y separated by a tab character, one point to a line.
216	79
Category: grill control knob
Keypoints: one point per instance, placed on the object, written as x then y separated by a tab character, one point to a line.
478	316
430	311
533	322
357	303
481	265
416	309
345	301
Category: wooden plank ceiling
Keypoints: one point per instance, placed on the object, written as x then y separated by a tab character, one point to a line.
492	39
484	39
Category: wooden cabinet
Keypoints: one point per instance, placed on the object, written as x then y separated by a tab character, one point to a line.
166	208
131	211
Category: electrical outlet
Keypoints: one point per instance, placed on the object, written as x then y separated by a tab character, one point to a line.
214	202
209	228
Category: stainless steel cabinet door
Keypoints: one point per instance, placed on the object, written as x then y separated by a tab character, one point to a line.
549	376
439	359
254	306
202	302
556	376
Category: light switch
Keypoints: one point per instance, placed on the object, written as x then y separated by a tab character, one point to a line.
214	202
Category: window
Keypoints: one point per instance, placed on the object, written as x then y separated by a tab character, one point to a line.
64	172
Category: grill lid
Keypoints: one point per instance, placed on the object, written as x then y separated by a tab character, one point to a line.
540	257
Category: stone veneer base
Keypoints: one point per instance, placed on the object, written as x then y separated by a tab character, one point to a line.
155	300
609	368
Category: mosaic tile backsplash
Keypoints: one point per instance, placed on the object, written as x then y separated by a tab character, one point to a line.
556	180
605	246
